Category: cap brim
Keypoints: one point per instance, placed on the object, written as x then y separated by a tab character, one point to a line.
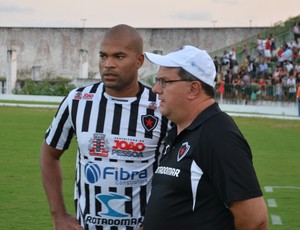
161	60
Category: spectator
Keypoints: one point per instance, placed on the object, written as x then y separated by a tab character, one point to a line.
263	68
273	45
225	58
286	55
228	82
278	90
262	90
217	64
231	63
251	68
233	54
237	85
276	73
297	66
269	87
289	66
245	64
280	52
260	45
296	32
297	77
268	50
291	84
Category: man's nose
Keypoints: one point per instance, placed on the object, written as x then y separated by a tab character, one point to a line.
156	88
109	62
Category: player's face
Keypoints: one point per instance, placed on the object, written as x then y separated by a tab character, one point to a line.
119	64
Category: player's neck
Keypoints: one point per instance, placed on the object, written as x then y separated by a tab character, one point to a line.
129	91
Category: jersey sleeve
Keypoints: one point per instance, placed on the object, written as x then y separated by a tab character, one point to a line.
227	161
61	131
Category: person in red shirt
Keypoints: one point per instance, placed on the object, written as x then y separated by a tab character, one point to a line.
268	49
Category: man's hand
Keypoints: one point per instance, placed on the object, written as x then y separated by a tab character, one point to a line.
66	222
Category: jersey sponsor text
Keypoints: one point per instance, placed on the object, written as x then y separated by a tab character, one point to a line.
96	220
168	171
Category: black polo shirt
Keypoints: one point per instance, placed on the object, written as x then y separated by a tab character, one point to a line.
203	169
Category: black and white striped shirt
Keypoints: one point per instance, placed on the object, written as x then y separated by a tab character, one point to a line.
118	146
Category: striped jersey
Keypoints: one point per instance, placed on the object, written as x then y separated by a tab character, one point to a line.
118	147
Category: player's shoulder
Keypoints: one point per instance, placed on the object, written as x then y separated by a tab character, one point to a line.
87	89
147	94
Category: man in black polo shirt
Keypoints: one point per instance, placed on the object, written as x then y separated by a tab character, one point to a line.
206	179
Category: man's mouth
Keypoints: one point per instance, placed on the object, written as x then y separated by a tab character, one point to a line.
109	76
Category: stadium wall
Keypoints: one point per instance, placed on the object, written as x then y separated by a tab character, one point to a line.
59	52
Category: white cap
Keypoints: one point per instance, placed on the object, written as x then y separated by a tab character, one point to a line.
195	61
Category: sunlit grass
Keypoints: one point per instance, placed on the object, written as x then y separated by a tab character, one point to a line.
23	204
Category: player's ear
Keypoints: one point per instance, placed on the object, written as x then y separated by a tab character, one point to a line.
140	60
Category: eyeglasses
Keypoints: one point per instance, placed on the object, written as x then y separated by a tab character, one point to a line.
163	83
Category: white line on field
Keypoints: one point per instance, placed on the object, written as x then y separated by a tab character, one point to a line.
272	203
270	188
276	220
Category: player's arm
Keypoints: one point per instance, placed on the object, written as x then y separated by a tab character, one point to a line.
250	214
52	181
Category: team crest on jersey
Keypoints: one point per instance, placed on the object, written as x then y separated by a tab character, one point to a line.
149	122
98	145
183	151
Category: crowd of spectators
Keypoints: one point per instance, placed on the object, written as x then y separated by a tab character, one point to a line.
273	73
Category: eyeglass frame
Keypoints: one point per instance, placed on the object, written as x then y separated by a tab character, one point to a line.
162	82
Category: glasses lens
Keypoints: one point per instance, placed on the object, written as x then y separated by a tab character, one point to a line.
160	81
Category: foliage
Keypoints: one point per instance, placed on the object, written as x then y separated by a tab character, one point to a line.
58	87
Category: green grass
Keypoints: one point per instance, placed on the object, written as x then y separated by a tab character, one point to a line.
29	102
23	204
22	199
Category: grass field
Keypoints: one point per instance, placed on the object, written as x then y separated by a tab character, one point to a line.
275	146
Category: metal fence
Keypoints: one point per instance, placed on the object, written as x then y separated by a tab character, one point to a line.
254	92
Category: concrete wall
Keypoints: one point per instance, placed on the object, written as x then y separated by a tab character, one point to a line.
51	52
277	110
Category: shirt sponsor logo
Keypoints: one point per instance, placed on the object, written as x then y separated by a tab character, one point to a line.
79	96
185	147
93	173
106	199
110	214
123	148
168	171
96	220
88	96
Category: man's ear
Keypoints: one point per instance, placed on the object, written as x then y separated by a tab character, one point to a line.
140	60
195	89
